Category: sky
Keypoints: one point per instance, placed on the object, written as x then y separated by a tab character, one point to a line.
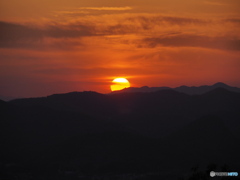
59	46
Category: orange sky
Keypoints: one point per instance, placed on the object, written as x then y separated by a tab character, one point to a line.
52	46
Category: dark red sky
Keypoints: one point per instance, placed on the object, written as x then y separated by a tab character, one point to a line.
50	46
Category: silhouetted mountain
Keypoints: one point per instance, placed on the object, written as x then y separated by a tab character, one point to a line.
7	98
141	89
184	89
200	143
208	137
3	104
87	134
154	114
203	89
85	102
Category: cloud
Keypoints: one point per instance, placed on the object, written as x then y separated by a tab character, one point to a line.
10	32
69	31
93	11
233	20
155	19
171	31
13	35
106	8
214	3
16	35
187	40
145	24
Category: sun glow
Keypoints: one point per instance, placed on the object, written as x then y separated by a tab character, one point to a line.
119	84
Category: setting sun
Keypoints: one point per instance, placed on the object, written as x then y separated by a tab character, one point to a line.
119	84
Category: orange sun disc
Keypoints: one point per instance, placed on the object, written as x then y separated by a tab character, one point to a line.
119	84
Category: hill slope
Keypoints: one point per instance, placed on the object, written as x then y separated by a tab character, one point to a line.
84	133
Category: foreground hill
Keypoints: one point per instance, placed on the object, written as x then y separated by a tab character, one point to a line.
86	135
153	114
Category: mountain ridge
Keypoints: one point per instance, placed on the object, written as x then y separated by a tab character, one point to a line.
191	90
133	109
137	132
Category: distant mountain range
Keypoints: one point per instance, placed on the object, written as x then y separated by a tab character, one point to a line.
131	110
7	98
193	90
138	135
